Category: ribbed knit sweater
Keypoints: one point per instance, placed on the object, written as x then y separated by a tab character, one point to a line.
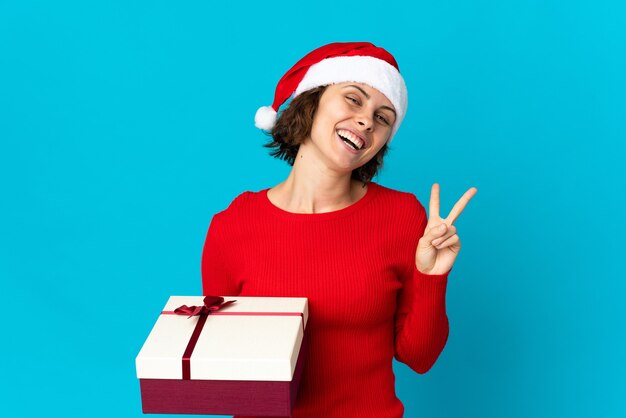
367	300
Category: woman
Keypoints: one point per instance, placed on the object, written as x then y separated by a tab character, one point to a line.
371	264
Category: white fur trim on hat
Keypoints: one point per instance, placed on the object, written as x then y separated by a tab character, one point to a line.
374	72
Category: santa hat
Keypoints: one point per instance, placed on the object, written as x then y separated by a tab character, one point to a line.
361	62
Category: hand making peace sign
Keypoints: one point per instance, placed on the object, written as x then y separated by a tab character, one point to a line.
438	248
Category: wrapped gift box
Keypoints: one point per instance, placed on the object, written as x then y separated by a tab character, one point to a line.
244	359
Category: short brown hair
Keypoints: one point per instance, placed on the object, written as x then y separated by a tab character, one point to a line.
294	125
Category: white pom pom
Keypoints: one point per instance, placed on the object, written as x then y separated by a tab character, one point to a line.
265	118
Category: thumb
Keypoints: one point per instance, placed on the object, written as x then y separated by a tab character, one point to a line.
438	231
432	234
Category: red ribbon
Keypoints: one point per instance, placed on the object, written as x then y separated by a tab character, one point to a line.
211	305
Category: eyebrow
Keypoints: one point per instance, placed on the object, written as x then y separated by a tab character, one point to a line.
368	96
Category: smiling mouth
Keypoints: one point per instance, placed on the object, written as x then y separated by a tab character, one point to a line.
350	139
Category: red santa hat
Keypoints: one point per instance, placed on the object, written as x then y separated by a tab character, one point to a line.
361	62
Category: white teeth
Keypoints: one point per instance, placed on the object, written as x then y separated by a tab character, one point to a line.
352	138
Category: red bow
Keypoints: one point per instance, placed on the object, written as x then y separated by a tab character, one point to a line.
211	304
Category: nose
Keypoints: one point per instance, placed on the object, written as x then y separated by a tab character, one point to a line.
365	122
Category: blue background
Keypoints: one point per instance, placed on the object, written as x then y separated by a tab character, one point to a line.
125	127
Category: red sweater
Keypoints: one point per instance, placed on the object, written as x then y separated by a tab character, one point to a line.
367	300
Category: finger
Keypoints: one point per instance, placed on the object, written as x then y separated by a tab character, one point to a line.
436	231
451	231
452	241
460	205
434	201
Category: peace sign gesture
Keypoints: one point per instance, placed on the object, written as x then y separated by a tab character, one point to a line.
438	248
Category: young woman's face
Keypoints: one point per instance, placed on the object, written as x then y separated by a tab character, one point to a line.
352	123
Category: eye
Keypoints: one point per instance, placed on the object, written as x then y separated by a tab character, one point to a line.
353	100
382	119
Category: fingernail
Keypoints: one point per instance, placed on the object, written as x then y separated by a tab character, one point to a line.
442	227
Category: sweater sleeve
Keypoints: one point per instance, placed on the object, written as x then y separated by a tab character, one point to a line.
216	278
421	328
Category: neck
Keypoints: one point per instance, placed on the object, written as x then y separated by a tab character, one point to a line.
314	188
